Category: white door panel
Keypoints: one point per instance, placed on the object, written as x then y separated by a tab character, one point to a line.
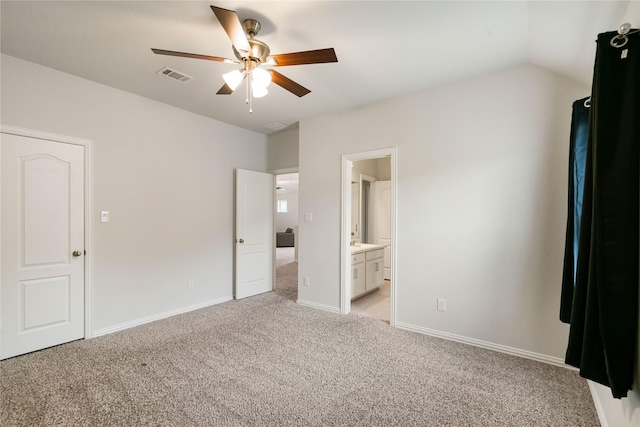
382	201
45	182
254	233
46	301
42	283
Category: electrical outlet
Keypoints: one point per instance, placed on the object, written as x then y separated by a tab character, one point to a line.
442	304
191	284
306	281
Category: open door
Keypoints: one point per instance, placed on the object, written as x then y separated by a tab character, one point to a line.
254	233
382	221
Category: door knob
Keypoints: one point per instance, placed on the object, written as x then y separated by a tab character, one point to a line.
76	253
241	241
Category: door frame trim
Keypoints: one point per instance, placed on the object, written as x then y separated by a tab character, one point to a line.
88	217
345	228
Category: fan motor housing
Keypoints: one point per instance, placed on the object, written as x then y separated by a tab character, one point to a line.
251	27
259	51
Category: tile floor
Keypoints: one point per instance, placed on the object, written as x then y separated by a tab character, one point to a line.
375	304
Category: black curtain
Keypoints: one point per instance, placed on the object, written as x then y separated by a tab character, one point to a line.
604	309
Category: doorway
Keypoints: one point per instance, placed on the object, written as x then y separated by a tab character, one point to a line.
363	245
286	233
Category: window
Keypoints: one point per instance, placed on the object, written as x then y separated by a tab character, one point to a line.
282	206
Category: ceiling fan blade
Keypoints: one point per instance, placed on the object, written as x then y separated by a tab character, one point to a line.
192	55
224	90
288	84
232	25
319	56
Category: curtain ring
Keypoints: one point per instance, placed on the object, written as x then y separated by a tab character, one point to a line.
619	40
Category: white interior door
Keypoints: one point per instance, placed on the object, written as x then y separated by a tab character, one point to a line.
382	228
254	233
42	253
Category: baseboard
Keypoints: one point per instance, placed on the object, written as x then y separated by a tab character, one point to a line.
602	417
484	344
319	306
159	316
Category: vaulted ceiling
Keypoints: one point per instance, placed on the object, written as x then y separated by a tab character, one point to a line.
384	48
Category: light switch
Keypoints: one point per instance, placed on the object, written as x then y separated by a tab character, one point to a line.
104	216
308	217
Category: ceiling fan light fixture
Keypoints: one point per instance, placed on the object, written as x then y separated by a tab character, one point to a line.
251	53
259	91
233	78
261	77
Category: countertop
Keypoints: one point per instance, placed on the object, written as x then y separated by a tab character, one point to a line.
363	247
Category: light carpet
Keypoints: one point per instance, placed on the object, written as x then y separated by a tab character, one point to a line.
266	361
286	273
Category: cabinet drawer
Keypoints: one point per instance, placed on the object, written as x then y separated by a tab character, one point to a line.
357	258
357	279
378	253
374	274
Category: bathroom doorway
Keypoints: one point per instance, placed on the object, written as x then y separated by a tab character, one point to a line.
368	268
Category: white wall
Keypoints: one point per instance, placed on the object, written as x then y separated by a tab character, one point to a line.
482	182
364	167
616	412
165	174
384	169
283	149
287	219
380	169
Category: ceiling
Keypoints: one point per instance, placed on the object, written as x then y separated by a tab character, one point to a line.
287	183
384	48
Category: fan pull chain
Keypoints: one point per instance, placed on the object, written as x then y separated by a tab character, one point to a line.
250	94
246	99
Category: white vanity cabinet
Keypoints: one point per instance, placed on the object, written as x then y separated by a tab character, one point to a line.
375	269
367	269
357	274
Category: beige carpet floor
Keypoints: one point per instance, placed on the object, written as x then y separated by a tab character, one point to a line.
284	255
266	361
286	273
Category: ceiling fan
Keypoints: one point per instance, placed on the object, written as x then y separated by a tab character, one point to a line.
252	54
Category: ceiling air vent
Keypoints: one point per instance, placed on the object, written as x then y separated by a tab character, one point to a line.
275	126
175	75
